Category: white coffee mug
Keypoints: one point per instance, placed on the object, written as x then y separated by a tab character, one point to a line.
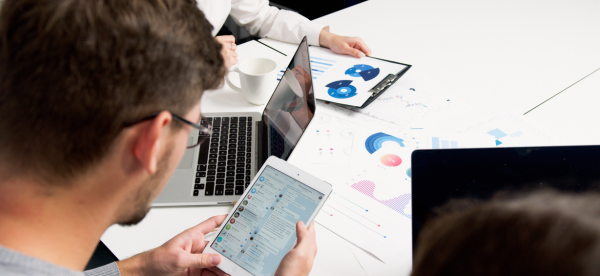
258	79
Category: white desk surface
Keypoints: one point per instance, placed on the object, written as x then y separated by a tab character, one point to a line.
573	114
493	56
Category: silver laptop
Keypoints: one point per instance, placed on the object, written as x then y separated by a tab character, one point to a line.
219	169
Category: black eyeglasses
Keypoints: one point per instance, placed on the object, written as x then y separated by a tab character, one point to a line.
205	127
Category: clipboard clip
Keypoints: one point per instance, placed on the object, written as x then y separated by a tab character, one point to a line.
383	84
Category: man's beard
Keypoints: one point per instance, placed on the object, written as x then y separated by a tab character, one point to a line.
145	193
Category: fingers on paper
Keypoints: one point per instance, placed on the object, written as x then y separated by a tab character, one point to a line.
360	48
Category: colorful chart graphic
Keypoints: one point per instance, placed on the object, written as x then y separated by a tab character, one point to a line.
341	89
437	143
390	160
499	134
364	71
397	204
375	141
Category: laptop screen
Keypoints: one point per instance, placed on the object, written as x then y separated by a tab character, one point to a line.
291	107
439	176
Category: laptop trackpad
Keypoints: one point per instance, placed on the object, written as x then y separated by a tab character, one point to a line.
188	157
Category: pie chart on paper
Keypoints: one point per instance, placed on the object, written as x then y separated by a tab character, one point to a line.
341	89
375	141
390	160
364	71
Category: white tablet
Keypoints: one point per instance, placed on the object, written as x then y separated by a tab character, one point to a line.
261	228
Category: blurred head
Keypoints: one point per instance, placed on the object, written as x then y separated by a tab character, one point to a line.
539	233
76	78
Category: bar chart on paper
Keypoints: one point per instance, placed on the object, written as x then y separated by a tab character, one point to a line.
509	131
437	143
320	65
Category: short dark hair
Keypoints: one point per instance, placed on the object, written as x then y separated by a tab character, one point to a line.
535	233
73	73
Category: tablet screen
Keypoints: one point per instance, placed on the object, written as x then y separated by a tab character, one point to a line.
263	227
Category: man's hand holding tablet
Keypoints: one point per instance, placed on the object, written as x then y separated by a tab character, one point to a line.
259	232
299	261
182	255
255	236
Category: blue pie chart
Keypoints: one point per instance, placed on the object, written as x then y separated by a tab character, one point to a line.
355	70
341	89
367	72
375	141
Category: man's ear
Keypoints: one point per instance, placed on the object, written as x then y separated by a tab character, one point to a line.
151	136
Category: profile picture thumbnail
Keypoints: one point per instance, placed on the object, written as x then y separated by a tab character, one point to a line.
236	215
245	202
241	208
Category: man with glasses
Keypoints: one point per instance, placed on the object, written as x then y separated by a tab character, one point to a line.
97	101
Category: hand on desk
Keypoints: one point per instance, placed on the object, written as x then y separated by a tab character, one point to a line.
345	45
182	255
228	50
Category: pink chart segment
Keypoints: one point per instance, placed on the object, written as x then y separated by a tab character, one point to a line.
397	204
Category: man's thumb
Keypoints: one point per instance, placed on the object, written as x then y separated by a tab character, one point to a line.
202	260
301	231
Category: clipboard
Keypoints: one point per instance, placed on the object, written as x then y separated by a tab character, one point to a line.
349	81
388	81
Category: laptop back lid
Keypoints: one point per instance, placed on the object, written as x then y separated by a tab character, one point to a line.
439	176
290	109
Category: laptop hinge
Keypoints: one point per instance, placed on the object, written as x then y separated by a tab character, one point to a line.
261	145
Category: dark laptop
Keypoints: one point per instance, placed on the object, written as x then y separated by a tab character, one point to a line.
438	176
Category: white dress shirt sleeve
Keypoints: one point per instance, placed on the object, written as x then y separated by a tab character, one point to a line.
260	19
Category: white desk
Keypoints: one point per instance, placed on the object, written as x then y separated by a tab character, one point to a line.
574	114
494	56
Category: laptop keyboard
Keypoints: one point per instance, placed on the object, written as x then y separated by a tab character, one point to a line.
224	162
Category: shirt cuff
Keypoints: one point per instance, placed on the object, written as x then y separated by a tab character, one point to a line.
312	31
108	270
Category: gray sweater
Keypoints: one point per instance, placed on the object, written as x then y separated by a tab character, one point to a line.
13	263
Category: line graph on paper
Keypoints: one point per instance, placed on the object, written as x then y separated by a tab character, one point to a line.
398	109
370	225
353	214
399	100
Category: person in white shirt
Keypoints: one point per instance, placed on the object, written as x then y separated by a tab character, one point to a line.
260	19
